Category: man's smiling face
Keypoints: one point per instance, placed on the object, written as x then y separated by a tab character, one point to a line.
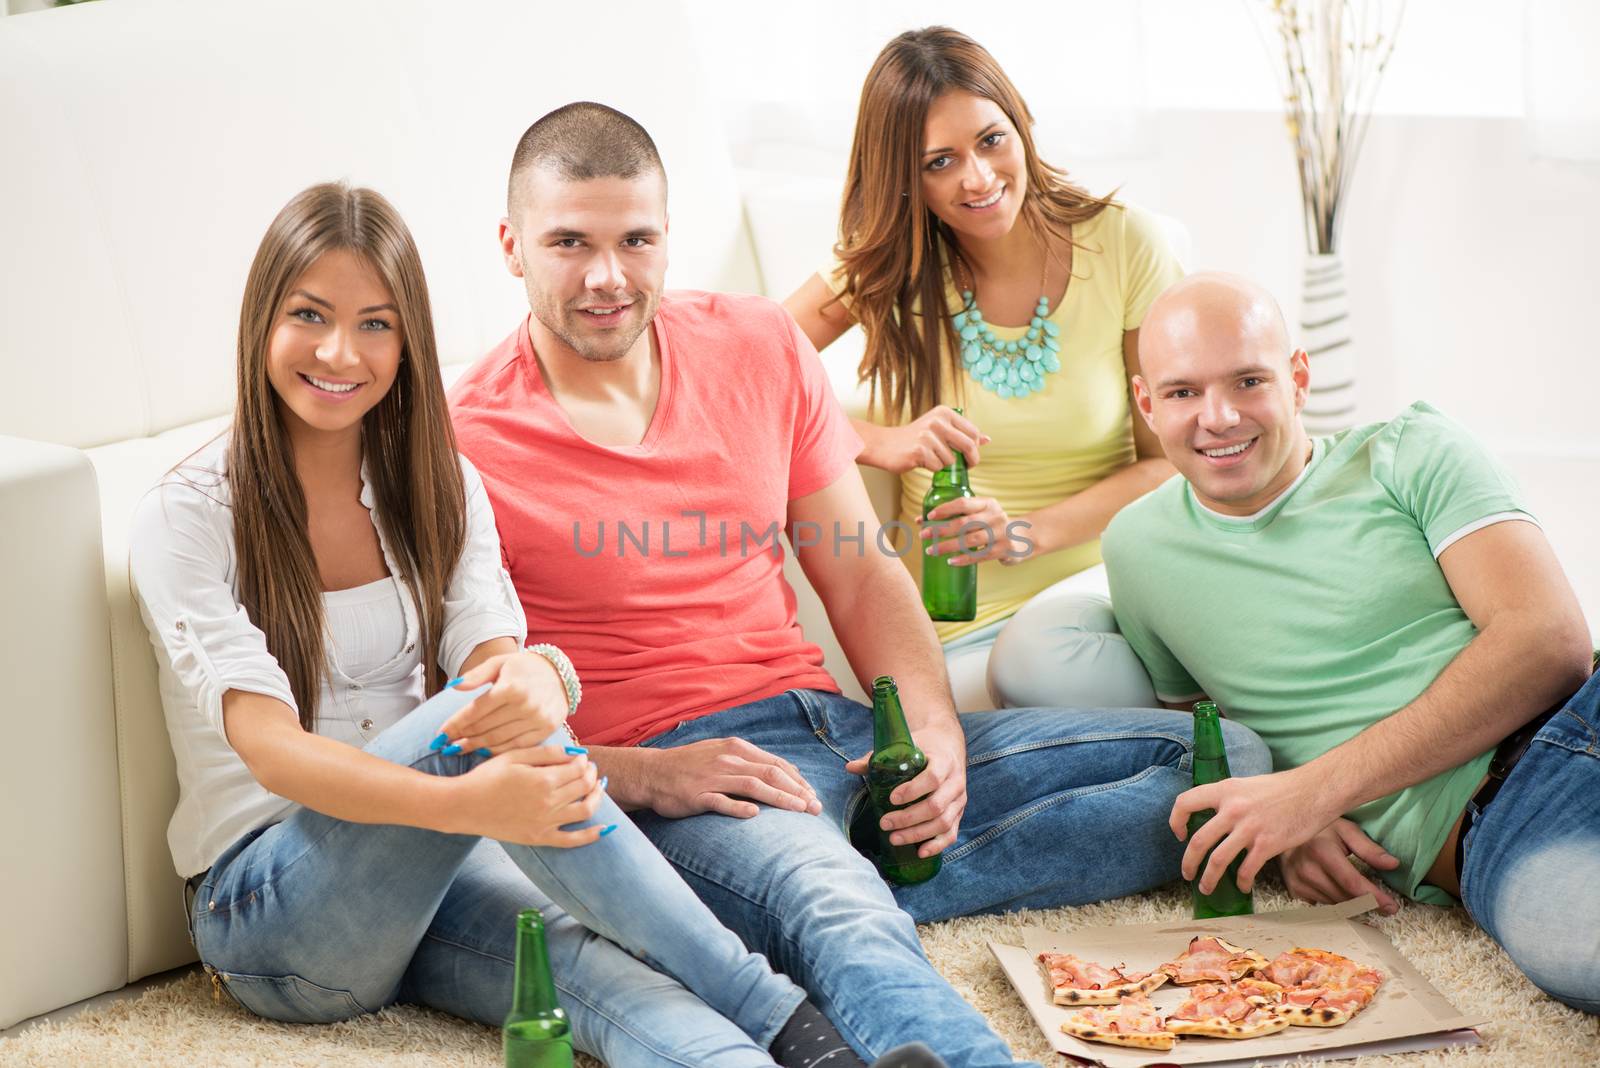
593	257
1220	387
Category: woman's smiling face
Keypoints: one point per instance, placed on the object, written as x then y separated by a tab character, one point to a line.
335	346
974	171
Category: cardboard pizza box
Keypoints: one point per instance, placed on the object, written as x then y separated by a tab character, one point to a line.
1407	1013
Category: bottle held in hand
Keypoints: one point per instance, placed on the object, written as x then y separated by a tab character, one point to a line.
949	593
895	759
1211	765
536	1033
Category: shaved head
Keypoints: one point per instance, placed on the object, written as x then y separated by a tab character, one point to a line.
1221	388
579	142
1211	306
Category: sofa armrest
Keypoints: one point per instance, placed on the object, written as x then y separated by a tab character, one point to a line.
61	872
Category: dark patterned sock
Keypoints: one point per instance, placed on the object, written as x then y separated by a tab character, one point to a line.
808	1040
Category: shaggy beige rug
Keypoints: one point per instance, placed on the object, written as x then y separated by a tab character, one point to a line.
179	1025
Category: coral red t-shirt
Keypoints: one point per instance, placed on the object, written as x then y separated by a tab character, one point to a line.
657	567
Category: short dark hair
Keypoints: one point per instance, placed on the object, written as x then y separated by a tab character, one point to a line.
584	140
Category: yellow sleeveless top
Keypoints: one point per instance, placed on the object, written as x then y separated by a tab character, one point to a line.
1052	444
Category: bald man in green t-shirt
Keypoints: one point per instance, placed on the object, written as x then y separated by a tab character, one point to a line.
1382	610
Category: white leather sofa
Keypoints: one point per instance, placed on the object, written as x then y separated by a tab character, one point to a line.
144	147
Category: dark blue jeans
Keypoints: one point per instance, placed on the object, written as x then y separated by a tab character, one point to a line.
1064	807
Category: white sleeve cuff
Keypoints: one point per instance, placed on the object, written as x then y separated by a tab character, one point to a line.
1479	524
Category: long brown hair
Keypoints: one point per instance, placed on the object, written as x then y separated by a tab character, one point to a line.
407	441
891	241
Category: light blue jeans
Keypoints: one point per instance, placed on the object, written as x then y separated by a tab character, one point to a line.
1531	859
315	919
1064	807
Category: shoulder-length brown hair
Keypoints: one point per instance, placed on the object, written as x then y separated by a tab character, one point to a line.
891	242
407	442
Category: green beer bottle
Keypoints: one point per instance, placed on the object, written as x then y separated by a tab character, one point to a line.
895	759
1211	765
536	1033
949	593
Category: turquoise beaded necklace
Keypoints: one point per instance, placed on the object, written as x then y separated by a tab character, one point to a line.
1009	368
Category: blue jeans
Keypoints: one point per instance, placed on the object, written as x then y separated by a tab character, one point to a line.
315	919
1063	807
1530	873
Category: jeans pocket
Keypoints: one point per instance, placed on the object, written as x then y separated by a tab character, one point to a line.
814	710
290	998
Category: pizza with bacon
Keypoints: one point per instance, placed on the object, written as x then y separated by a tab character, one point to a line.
1074	981
1209	959
1228	1010
1321	989
1134	1022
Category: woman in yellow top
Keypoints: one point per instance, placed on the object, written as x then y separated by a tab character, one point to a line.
1040	288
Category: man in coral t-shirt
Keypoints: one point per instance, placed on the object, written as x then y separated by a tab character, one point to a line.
642	452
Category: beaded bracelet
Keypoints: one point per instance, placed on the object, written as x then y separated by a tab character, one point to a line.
564	669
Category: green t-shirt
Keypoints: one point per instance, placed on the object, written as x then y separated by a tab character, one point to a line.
1324	612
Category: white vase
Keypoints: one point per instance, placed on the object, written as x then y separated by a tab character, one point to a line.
1325	335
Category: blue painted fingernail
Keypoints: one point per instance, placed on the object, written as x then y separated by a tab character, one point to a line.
450	750
608	829
452	682
603	781
576	750
483	752
439	742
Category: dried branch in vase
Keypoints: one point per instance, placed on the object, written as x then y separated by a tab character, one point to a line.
1332	57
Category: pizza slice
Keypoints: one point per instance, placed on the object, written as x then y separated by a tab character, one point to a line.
1079	982
1226	1010
1211	960
1134	1022
1321	989
1255	986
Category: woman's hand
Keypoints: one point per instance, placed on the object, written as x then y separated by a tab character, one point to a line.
930	441
976	529
523	706
526	796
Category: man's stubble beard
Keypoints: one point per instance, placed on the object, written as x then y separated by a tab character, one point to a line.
555	318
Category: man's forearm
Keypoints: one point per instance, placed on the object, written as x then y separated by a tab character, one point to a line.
882	628
1507	675
626	767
